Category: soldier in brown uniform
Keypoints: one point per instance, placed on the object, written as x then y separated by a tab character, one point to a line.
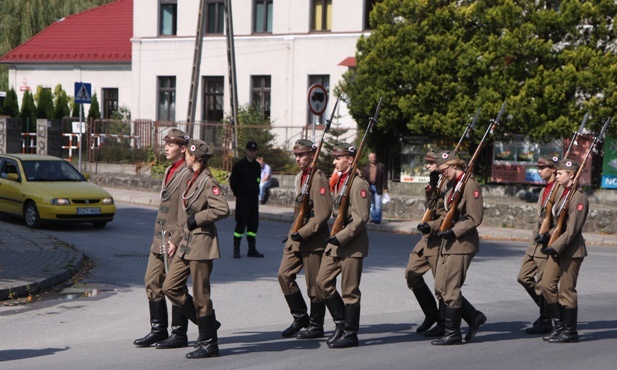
344	255
457	249
566	254
173	185
304	249
534	260
203	203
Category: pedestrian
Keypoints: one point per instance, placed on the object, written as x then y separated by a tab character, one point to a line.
458	247
304	248
196	247
566	254
345	254
534	260
244	182
264	183
375	173
174	181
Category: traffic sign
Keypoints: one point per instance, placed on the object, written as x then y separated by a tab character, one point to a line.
83	93
317	99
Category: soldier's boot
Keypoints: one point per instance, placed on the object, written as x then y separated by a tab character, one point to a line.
542	325
298	309
336	306
207	342
473	318
350	332
439	329
179	327
158	324
253	252
536	298
189	311
554	310
569	333
237	247
452	333
429	307
315	326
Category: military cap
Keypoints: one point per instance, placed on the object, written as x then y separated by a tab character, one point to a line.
176	136
430	156
304	146
251	145
344	149
545	162
445	156
568	165
199	148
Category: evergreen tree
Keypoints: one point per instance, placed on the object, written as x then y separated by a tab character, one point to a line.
61	103
94	112
28	113
11	106
44	103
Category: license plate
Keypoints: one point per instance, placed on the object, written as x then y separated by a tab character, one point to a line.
89	211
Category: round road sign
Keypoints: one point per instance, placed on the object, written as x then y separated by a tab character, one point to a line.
317	99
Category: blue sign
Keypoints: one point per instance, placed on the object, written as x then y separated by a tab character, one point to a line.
609	181
83	93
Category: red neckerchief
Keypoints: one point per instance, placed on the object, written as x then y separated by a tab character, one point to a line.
451	197
172	170
189	184
305	173
547	191
566	191
341	180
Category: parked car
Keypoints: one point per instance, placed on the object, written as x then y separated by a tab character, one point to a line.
43	188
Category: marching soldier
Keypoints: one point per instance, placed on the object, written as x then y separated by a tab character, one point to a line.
566	255
304	249
173	185
345	253
458	246
534	260
197	247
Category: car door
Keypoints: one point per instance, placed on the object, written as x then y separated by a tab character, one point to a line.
11	196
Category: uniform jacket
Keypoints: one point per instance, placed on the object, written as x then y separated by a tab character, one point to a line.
570	243
167	217
429	244
245	178
206	201
381	177
353	237
534	249
468	217
315	232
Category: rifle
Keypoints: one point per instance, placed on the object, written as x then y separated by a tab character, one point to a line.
550	198
458	190
563	208
429	213
343	199
304	197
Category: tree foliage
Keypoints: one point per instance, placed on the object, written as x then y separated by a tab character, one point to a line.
61	103
28	112
436	62
94	112
44	103
11	105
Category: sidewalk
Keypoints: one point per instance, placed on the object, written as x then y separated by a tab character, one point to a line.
32	261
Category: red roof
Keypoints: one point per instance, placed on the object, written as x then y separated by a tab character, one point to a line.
101	34
348	62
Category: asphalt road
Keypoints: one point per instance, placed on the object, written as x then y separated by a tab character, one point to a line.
97	332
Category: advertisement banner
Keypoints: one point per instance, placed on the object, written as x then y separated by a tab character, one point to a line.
609	164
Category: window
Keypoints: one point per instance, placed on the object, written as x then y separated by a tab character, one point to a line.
262	22
260	94
168	17
323	80
215	16
110	102
167	98
213	105
321	15
368	8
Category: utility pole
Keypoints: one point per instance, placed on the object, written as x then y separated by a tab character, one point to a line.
199	39
231	65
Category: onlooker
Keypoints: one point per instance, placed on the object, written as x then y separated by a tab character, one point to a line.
375	174
266	176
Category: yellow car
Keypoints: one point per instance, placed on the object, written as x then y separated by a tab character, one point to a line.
42	188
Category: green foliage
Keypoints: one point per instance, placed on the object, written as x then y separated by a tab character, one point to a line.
94	112
221	176
44	103
28	113
61	103
11	106
114	151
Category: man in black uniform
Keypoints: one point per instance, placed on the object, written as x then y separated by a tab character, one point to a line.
244	182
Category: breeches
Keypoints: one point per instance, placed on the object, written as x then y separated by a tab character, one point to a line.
291	264
175	284
450	277
350	270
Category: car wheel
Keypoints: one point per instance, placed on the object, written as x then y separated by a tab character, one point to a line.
99	224
31	215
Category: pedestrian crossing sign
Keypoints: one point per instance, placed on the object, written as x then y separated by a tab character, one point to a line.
83	93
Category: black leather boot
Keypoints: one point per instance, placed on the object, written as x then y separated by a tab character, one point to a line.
336	306
158	324
569	334
453	328
237	242
554	310
207	342
439	329
298	309
315	326
429	307
179	327
473	318
188	309
253	252
350	332
532	293
543	325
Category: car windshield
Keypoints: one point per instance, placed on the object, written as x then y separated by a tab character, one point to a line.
51	171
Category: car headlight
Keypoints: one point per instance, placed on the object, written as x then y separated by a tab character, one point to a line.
60	202
108	200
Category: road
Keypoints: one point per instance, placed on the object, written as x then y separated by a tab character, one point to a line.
97	332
